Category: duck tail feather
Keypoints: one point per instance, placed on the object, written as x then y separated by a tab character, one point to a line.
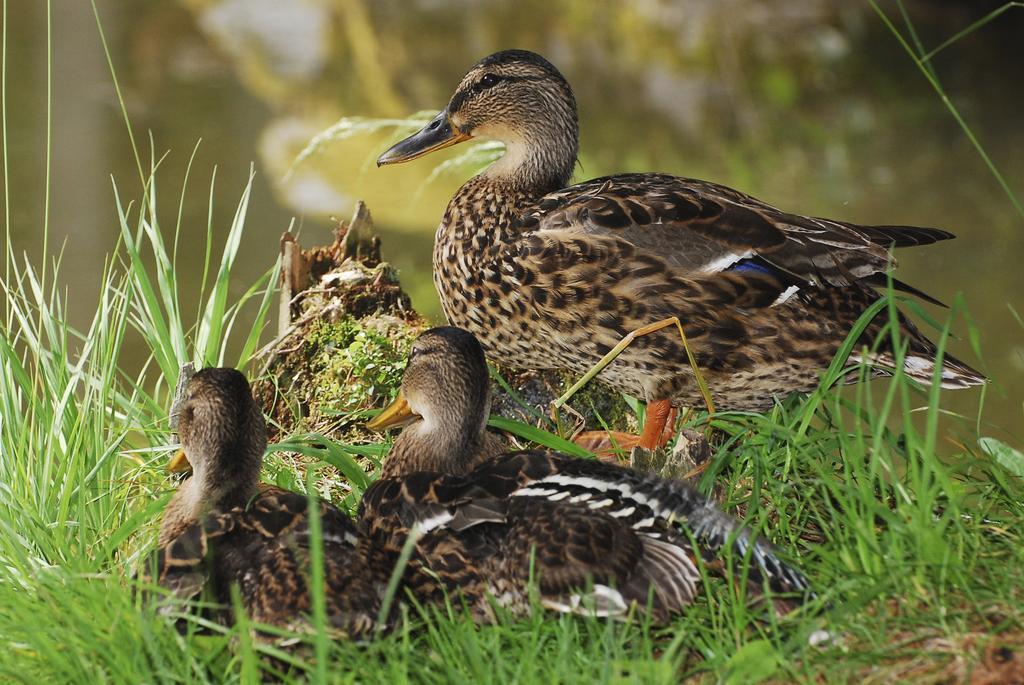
920	366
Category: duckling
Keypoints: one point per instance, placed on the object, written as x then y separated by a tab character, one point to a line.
223	430
597	538
222	528
552	277
444	404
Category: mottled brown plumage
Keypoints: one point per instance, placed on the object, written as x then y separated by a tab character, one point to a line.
596	538
549	276
222	528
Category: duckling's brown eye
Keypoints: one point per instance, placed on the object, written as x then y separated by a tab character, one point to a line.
487	81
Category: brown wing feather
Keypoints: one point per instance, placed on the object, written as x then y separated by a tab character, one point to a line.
264	549
568	545
179	566
594	537
493	545
701	227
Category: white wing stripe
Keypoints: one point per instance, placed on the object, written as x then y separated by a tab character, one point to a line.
436	521
724	262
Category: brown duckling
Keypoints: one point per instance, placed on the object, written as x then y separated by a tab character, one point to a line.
595	537
223	437
443	405
223	528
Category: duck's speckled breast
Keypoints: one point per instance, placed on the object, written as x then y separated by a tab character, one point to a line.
491	283
476	266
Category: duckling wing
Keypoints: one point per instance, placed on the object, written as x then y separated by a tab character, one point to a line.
487	534
276	512
265	550
704	228
662	509
180	565
269	556
596	537
587	561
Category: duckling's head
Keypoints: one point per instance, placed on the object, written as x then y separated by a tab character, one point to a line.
443	404
518	98
223	437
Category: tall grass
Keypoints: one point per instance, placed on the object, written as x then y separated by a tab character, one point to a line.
155	306
83	443
68	404
923	60
64	417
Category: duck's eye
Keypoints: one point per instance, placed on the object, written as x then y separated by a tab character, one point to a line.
487	81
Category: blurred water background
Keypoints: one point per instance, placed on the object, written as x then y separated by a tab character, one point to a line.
811	105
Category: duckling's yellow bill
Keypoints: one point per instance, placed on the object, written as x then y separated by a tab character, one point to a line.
437	134
179	463
395	414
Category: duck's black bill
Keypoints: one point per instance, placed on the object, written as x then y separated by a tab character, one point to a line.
439	133
184	376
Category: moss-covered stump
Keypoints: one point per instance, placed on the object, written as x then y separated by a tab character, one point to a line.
345	326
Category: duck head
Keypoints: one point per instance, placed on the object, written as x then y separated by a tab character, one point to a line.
516	97
443	405
223	437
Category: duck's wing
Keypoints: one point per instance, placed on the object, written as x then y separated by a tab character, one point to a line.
591	562
584	519
180	566
654	507
265	549
276	513
277	554
583	560
425	501
704	228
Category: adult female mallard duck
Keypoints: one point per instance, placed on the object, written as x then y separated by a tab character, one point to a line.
549	276
596	538
221	528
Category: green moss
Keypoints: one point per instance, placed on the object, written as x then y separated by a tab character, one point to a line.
599	403
354	364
